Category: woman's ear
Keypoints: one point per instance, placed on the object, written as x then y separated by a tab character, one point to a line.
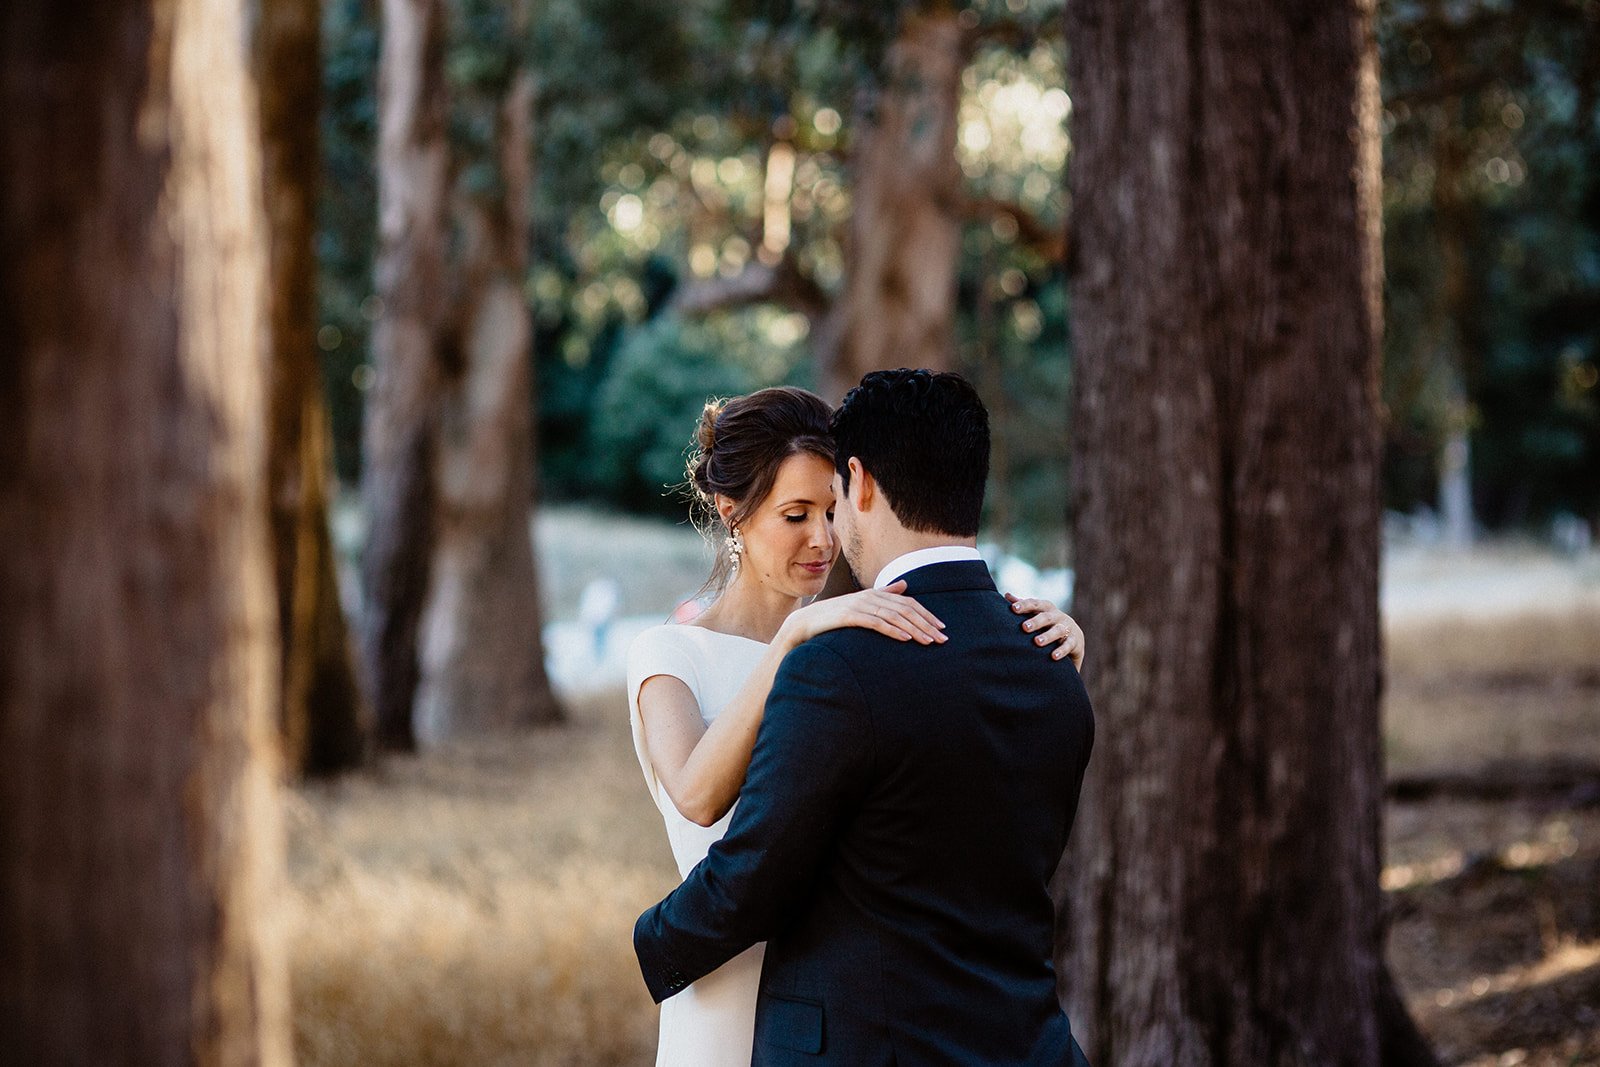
725	507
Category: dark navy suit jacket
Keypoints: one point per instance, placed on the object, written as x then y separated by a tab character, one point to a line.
905	808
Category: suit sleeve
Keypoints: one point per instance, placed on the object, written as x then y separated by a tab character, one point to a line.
808	772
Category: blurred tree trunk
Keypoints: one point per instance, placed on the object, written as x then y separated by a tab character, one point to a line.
398	482
897	307
139	841
1452	318
482	652
324	721
1221	891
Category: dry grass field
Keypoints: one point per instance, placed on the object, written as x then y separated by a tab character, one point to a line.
473	906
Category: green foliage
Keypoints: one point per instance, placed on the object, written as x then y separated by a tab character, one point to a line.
648	407
347	219
1512	90
653	126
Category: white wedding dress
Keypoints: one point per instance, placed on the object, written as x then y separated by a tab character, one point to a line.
712	1022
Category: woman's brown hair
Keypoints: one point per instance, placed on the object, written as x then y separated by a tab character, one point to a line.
739	446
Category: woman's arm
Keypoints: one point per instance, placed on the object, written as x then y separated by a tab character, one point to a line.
702	767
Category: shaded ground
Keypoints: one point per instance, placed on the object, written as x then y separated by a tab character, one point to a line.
474	906
1496	904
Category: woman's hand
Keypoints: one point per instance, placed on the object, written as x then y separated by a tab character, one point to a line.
885	610
1049	623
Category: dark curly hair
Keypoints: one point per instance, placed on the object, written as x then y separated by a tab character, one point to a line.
924	437
739	446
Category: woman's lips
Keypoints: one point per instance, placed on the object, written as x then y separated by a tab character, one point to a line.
816	568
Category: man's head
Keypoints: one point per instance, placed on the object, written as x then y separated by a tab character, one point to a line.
911	452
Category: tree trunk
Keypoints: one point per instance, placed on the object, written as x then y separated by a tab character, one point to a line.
482	653
139	841
898	304
1455	471
324	721
398	487
1221	891
1452	329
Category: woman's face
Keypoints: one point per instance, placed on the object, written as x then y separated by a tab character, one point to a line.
788	540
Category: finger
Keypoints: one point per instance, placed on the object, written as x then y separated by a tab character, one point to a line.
908	620
896	586
1030	606
886	623
1010	597
910	604
919	623
926	615
1052	636
900	633
1044	619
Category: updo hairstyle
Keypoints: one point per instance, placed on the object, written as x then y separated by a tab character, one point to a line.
739	446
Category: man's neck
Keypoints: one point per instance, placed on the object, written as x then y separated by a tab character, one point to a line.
908	541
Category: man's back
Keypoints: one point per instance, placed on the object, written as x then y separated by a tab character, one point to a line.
927	936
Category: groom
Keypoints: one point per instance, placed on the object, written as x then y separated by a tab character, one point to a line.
906	804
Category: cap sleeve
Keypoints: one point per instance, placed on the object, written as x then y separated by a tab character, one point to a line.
659	650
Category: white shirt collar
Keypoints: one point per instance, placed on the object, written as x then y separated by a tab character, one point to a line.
900	566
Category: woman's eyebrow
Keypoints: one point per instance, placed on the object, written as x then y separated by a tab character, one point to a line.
797	500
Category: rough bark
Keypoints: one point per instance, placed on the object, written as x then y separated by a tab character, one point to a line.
897	307
323	718
482	650
140	851
398	481
1221	899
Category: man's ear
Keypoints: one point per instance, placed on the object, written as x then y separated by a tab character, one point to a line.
863	490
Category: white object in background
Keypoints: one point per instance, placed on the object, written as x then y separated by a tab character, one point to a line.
1024	580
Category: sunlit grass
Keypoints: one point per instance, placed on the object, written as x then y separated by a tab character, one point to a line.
1468	692
475	907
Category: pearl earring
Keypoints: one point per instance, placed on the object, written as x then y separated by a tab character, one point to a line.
735	549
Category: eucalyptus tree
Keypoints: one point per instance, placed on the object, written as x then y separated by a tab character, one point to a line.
892	298
139	844
324	718
471	94
1222	901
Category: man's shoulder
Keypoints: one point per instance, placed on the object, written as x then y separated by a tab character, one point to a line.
851	644
843	656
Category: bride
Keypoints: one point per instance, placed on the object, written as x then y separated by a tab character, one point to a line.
763	472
